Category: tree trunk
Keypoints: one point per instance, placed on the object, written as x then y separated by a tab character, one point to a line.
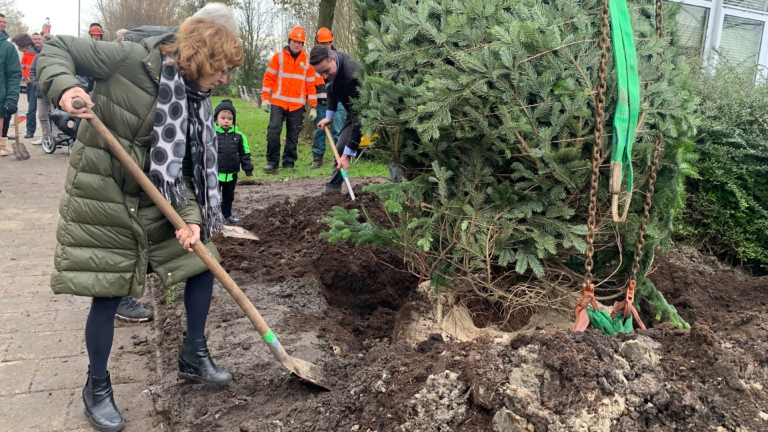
327	10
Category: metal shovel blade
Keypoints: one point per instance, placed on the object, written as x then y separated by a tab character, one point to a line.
307	371
19	149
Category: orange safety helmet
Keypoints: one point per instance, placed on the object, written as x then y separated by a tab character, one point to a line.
96	29
297	34
324	35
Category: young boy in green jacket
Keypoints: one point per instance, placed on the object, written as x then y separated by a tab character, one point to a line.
233	153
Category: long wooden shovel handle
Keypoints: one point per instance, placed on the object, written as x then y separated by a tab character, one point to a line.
117	151
333	145
338	162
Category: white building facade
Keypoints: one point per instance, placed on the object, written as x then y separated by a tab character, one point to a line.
734	30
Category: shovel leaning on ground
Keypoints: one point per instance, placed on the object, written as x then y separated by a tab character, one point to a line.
19	149
338	162
301	368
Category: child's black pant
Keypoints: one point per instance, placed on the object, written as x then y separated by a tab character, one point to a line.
227	196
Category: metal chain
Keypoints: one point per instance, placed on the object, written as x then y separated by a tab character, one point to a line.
659	23
646	208
598	146
654	170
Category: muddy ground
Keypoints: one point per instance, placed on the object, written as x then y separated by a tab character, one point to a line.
336	306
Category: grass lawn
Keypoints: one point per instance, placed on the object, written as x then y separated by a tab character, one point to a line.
253	122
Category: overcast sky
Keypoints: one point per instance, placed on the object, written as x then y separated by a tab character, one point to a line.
63	14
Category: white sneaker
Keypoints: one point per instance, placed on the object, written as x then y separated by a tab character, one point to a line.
38	142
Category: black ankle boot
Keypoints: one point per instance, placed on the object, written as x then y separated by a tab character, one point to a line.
195	363
100	405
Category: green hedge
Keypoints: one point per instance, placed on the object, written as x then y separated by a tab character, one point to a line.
727	206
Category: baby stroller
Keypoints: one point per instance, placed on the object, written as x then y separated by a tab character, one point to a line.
68	127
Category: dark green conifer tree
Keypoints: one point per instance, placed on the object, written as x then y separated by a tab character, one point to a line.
489	107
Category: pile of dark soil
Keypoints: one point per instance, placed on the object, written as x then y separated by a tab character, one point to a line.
335	305
365	285
710	293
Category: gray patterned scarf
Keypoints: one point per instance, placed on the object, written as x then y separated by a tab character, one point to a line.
184	119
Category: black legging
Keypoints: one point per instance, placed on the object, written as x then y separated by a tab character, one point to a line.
100	327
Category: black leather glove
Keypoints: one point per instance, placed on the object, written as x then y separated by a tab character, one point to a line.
10	106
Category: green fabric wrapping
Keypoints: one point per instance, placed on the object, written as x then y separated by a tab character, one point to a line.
628	86
602	321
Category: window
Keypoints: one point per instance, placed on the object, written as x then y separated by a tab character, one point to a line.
740	42
732	31
757	5
692	28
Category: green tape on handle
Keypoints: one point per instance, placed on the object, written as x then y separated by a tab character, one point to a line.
269	337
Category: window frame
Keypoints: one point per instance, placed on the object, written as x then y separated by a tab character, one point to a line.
714	31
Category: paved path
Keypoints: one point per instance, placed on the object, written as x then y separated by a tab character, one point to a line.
43	361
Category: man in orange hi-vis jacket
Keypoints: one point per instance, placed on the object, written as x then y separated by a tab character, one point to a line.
288	83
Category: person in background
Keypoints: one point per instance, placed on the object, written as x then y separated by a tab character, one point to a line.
46	27
288	83
26	65
324	37
10	84
96	32
339	70
23	44
233	153
43	104
154	97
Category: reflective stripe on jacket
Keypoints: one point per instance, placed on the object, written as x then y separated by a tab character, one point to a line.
322	95
288	83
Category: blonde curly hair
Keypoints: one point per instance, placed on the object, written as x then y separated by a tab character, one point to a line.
203	47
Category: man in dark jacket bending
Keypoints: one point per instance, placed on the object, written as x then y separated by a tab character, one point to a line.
338	70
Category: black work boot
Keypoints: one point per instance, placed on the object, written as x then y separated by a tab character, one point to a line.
317	161
195	363
100	405
269	168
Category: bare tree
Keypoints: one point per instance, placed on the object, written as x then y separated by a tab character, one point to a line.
117	14
327	11
298	7
257	20
14	17
303	14
189	7
345	26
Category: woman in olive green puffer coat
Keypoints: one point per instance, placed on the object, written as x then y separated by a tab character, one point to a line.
153	97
